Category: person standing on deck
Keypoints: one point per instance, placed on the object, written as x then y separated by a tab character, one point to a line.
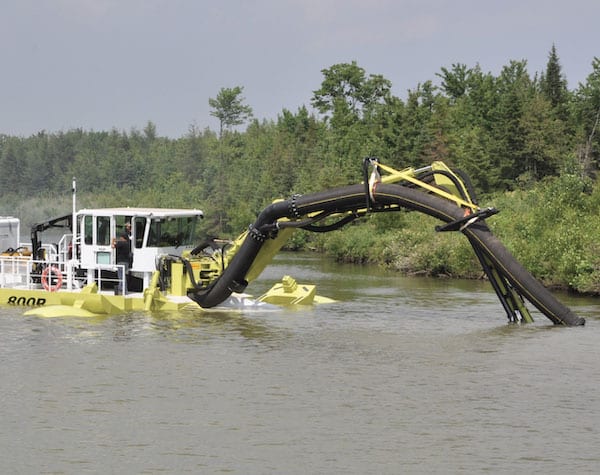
130	239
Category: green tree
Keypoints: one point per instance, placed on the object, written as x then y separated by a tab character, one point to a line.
60	155
229	108
349	100
553	83
347	91
391	121
515	90
419	129
587	112
301	135
150	131
12	163
37	164
455	81
544	139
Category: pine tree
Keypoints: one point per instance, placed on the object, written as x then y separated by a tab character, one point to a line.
554	85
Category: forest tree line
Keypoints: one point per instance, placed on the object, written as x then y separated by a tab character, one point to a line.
509	132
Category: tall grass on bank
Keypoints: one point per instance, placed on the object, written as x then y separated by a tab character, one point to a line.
554	231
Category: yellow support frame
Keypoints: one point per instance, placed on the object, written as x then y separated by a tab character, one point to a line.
409	174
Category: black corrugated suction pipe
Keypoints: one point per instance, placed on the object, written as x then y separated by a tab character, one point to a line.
353	198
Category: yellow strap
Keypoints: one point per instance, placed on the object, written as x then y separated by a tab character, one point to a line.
408	175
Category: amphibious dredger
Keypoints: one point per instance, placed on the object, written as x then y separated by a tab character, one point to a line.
167	264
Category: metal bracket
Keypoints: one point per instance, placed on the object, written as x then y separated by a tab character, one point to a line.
463	223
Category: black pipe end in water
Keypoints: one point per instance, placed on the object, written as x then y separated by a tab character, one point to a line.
577	322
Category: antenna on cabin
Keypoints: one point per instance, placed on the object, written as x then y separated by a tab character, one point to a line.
74	221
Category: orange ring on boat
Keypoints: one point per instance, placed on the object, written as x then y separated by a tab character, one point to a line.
47	277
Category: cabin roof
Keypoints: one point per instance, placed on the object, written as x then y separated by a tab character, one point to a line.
147	212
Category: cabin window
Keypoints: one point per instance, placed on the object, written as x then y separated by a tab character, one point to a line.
103	258
139	225
121	224
87	229
187	230
172	232
103	230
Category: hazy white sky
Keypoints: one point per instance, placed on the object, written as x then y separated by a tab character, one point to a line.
99	64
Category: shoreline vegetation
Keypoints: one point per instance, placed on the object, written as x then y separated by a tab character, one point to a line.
530	145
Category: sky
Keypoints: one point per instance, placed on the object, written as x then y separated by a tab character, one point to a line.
105	64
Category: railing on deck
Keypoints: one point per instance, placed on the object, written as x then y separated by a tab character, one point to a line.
23	272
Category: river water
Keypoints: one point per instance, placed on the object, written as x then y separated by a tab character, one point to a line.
401	375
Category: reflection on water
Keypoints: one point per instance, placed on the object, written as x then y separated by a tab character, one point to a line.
401	375
187	325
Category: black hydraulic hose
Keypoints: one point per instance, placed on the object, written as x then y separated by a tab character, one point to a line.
172	258
466	179
304	224
331	227
190	270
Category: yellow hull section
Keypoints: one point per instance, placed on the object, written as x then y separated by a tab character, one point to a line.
87	302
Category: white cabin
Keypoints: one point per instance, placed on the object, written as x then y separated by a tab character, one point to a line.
154	232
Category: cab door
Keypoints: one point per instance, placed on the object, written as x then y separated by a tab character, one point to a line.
138	239
96	249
